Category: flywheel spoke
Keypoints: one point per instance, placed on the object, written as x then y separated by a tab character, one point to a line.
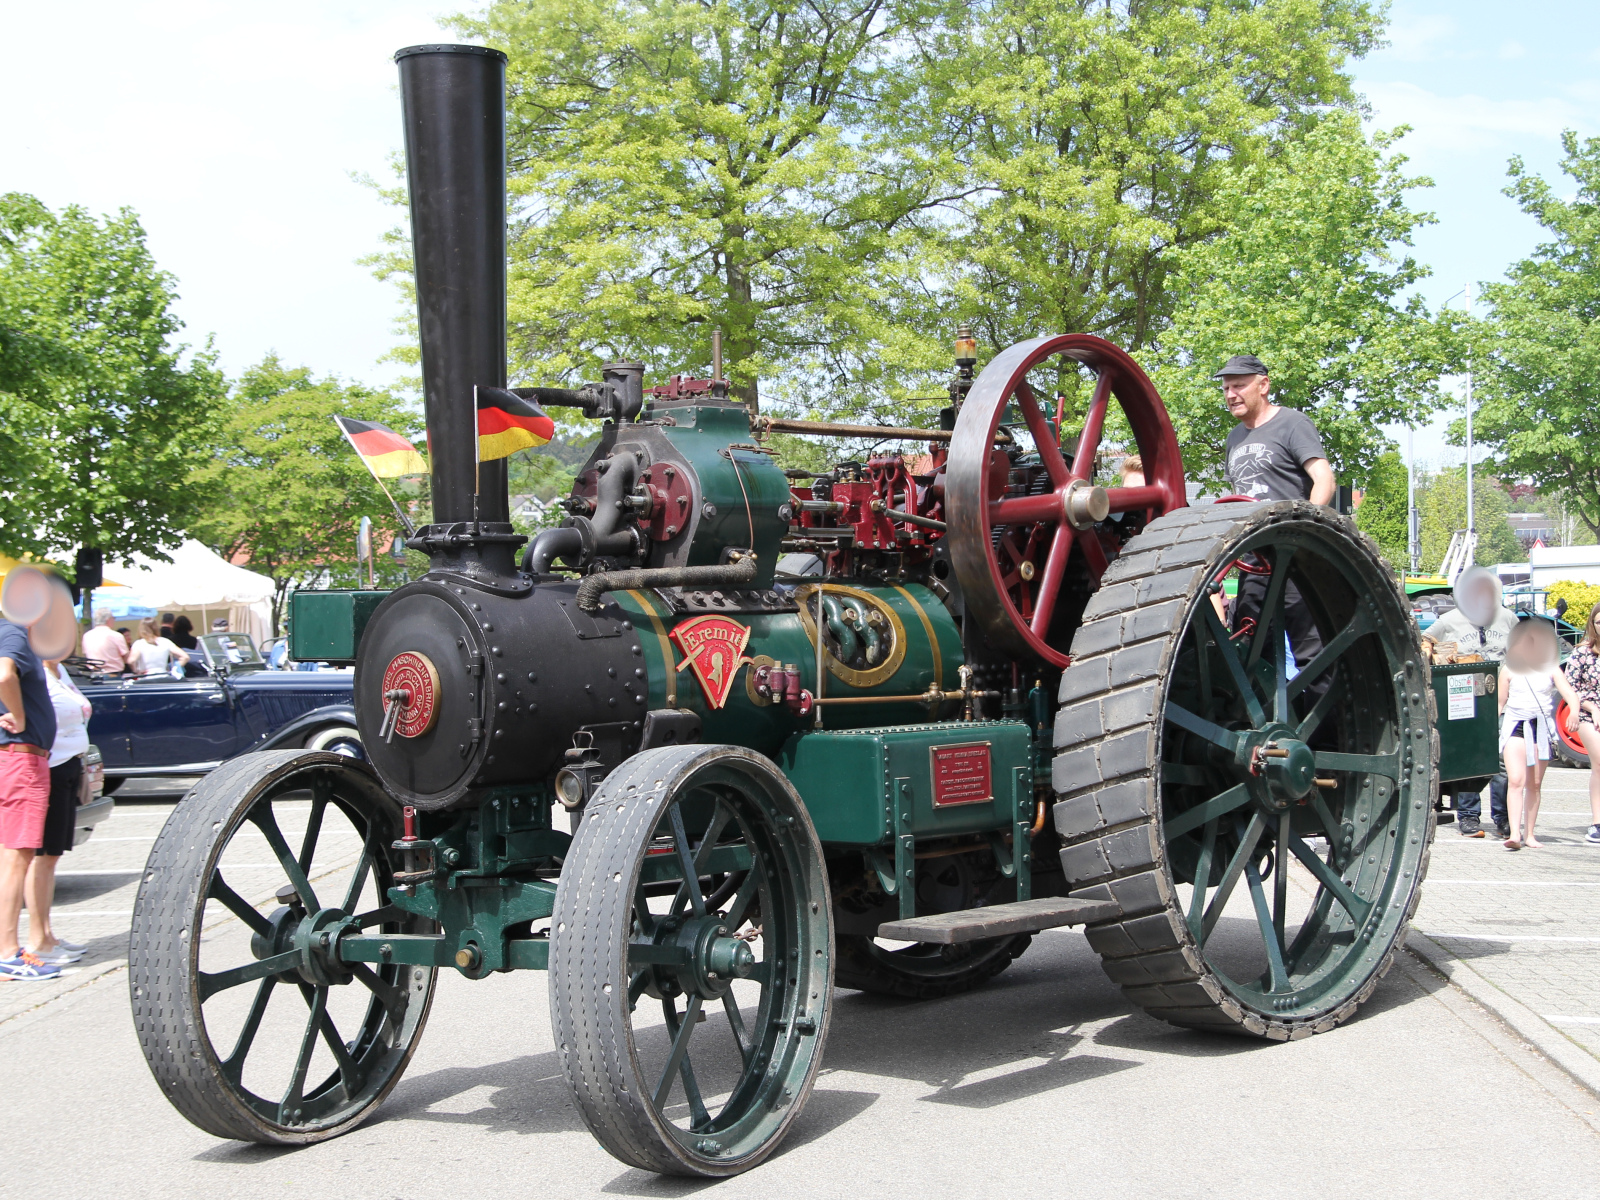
1094	421
1131	499
1044	437
1025	510
1055	567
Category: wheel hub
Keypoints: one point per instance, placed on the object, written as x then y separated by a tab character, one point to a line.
315	937
714	959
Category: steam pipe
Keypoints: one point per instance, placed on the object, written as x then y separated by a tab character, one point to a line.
730	574
453	99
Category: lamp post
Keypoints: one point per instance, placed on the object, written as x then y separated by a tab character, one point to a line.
1472	528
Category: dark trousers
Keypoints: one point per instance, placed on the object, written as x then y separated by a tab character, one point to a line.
1469	805
1305	639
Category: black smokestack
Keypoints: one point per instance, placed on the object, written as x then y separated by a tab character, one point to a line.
454	103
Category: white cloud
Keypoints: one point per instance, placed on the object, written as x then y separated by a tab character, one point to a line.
1417	39
1449	125
1513	50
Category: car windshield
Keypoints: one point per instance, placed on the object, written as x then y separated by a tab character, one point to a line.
236	650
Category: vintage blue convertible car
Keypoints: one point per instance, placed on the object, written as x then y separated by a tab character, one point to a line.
227	703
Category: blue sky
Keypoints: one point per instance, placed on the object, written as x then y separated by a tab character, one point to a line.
234	130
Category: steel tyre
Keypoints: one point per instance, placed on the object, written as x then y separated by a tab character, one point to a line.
233	1047
1159	751
629	938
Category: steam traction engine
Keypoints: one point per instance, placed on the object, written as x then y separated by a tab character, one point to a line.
870	728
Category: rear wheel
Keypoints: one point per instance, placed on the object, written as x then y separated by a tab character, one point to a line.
344	740
1195	763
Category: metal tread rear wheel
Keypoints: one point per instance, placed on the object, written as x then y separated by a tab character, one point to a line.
1189	751
695	888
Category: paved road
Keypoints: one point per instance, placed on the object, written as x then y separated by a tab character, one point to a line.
1042	1084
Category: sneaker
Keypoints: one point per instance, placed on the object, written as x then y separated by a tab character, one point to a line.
1593	836
26	968
1500	831
70	947
59	957
1470	828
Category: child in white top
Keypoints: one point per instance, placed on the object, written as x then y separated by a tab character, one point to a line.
1529	681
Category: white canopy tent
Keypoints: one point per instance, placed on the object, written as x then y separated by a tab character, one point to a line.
198	583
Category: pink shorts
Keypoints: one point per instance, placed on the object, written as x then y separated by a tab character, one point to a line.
24	800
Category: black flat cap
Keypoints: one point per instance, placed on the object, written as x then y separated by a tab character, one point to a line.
1243	364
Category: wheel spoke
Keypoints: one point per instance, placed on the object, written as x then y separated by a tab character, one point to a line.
1044	437
1094	555
1203	656
238	905
1093	422
391	996
1276	584
1202	814
308	1040
1236	672
1320	807
308	844
218	981
1202	876
233	1065
359	879
1055	566
1318	714
262	818
636	986
1244	854
1223	739
1185	774
1280	879
1371	764
1280	675
742	898
1329	654
1269	934
376	916
1328	878
691	873
730	1005
349	1072
681	1032
1025	510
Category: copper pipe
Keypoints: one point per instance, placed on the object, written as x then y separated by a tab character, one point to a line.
1038	821
841	429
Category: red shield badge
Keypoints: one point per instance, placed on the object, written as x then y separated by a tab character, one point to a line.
714	648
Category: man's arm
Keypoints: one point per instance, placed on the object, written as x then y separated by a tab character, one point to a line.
15	718
1323	483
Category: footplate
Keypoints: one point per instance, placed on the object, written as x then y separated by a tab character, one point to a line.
998	920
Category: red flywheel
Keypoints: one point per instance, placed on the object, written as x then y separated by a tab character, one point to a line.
1014	548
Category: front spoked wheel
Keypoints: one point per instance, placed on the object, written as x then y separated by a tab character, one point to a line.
250	1024
691	960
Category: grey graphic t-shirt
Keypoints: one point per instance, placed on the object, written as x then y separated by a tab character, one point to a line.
1268	463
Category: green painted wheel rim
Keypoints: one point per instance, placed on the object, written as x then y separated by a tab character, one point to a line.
1238	741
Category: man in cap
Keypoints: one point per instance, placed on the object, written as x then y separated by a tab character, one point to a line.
1274	453
1481	624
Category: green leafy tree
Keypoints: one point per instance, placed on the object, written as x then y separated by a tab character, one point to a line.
286	493
677	165
1308	277
1538	360
1442	510
101	421
1086	142
1382	511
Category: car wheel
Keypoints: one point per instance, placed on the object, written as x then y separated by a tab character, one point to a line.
111	784
339	739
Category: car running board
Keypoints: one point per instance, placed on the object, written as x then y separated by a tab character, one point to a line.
998	920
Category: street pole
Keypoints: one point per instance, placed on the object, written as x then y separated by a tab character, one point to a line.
1471	520
1413	542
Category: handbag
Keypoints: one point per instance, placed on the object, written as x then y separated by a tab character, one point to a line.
85	782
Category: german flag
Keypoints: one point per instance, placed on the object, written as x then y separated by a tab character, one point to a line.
508	423
386	453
